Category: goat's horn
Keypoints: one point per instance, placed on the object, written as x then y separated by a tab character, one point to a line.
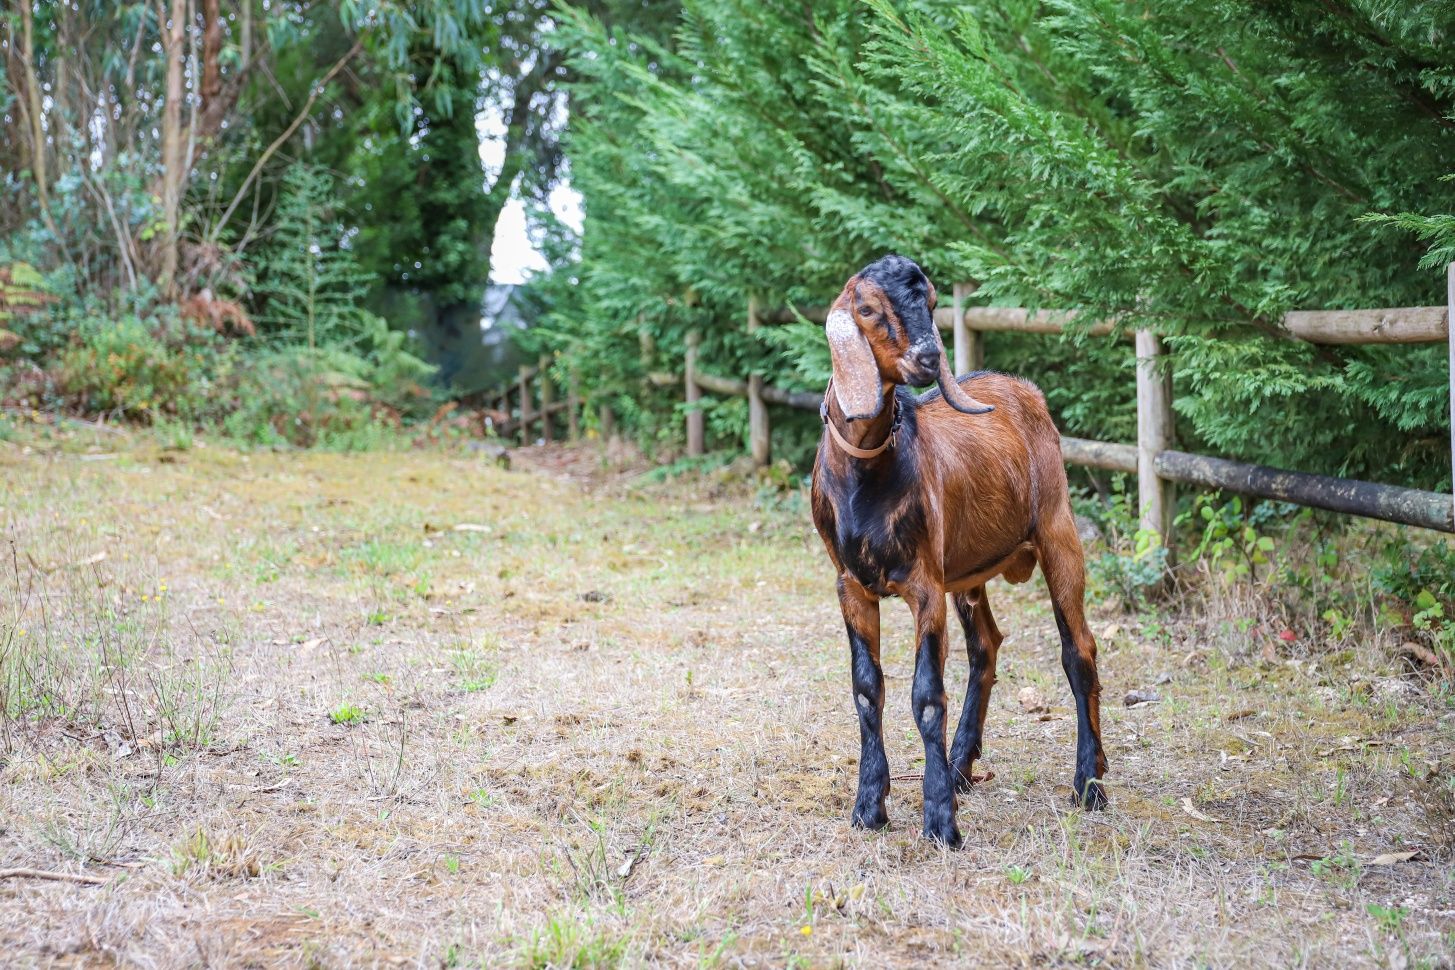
951	389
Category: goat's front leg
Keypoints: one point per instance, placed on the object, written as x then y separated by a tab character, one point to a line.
928	699
861	619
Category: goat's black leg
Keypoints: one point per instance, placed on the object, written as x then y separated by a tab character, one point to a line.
928	699
982	643
861	618
1062	563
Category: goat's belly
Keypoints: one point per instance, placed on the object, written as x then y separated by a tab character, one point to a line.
1016	567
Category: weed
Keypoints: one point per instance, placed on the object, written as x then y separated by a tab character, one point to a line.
575	942
347	714
1390	918
1342	868
475	666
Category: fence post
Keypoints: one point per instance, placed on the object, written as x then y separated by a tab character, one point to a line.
1450	342
696	425
760	435
573	407
606	421
1154	435
524	381
969	344
548	395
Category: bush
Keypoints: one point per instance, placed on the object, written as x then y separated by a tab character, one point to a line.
140	368
326	398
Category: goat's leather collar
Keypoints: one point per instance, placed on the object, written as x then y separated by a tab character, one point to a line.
876	451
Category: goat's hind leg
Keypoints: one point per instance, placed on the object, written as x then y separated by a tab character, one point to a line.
982	644
861	619
1063	564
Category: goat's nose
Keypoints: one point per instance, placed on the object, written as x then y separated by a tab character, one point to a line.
927	358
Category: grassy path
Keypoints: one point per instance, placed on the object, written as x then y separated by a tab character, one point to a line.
407	708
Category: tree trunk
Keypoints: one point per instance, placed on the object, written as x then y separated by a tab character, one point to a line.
34	111
173	161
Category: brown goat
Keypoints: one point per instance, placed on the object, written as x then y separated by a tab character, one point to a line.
923	496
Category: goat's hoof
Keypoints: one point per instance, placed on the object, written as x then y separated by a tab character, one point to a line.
947	834
872	818
1089	794
964	782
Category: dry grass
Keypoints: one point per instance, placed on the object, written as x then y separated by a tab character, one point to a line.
298	716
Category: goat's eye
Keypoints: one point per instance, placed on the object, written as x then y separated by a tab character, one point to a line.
864	311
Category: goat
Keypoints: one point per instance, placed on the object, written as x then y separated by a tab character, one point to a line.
923	496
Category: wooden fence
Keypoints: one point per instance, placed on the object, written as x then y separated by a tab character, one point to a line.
1157	465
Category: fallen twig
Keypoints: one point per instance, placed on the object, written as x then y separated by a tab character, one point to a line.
53	876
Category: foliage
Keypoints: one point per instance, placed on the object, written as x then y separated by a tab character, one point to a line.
1133	565
1199	168
141	368
308	285
314	292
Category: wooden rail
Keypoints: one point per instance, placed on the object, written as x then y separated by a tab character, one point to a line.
1153	459
535	404
1394	325
1157	465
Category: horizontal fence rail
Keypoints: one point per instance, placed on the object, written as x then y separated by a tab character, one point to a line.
1394	325
1152	459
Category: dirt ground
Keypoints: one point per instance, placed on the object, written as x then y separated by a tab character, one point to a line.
410	708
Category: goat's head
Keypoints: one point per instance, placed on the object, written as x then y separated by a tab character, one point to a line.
881	331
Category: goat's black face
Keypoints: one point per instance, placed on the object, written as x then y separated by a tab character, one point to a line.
911	301
881	331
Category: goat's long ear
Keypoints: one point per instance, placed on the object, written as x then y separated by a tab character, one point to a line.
857	384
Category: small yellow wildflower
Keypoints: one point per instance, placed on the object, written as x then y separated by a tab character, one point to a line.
144	597
807	930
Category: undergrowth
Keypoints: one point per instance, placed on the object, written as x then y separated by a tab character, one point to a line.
1275	576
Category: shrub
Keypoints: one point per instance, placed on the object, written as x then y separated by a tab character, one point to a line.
140	368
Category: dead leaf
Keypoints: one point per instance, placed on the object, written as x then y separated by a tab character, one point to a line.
472	527
714	860
1239	715
1031	700
1112	629
89	560
625	869
1191	809
1269	653
1393	858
